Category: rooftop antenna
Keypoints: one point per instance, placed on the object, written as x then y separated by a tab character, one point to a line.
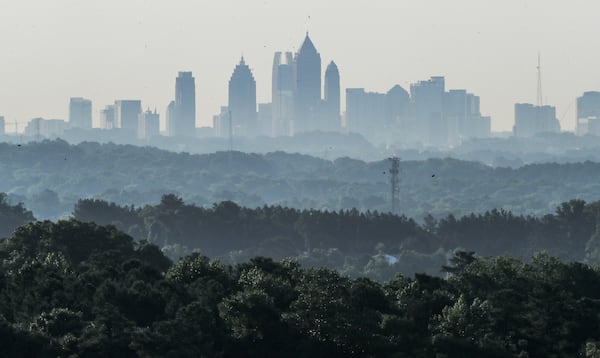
395	183
540	98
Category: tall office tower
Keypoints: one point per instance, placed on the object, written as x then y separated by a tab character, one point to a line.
242	100
184	123
398	125
463	117
531	120
80	113
282	94
428	103
365	113
107	117
2	126
148	124
588	110
127	113
331	120
307	96
170	119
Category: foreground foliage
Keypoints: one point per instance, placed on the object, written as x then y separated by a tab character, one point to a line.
78	289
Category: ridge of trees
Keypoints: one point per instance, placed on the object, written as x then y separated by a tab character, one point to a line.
50	176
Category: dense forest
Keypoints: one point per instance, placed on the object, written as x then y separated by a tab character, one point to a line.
51	176
356	244
82	290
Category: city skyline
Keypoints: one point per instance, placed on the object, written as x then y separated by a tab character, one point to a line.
375	47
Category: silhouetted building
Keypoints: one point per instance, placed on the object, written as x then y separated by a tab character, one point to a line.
330	111
2	126
463	117
170	119
40	128
282	94
365	112
221	123
184	123
588	110
107	117
265	119
80	113
307	94
428	105
149	124
242	100
399	125
127	113
531	120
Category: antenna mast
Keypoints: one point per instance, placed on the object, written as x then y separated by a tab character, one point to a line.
395	183
540	98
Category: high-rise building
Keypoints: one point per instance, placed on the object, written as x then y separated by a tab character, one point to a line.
307	95
170	119
242	100
184	123
365	112
588	110
428	105
107	117
398	125
127	113
2	126
80	113
148	124
282	94
531	120
331	110
463	117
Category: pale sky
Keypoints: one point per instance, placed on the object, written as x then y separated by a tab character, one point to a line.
51	50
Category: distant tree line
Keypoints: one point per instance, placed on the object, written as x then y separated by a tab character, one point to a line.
50	176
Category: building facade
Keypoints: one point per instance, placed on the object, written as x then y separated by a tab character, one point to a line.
183	122
307	94
531	120
80	113
242	101
127	113
282	95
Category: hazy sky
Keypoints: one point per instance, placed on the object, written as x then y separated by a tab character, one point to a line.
133	49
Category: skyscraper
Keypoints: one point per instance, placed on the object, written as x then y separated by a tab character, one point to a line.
80	113
242	100
148	124
107	117
428	104
184	123
282	94
331	103
127	113
170	119
2	126
307	96
588	109
365	112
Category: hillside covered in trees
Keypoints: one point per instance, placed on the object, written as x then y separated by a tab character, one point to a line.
82	290
51	176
